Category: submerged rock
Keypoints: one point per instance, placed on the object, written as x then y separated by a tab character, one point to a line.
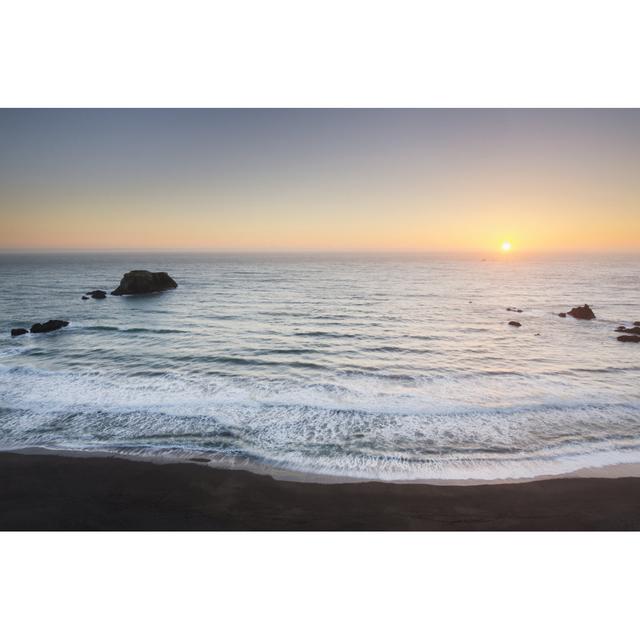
137	282
636	323
98	294
514	323
582	313
18	332
634	330
50	325
516	310
627	338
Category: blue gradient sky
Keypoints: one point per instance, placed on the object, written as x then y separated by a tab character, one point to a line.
320	179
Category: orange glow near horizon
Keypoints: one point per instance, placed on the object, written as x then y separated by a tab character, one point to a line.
459	181
474	222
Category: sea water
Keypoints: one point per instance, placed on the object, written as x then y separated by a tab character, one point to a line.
396	367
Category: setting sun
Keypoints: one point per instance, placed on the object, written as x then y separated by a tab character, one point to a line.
506	246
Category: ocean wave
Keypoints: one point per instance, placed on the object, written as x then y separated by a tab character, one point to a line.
249	361
227	447
128	329
326	334
287	351
339	428
408	418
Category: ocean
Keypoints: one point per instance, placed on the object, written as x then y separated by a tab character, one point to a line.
392	367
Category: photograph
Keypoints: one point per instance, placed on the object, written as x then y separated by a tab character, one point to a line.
319	319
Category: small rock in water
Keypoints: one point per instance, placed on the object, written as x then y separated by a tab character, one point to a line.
18	332
513	323
50	325
627	338
582	313
85	297
635	330
562	314
98	294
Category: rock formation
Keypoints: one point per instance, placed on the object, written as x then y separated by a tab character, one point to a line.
50	325
98	294
582	313
634	330
137	282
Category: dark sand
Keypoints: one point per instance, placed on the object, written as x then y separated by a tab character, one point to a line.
45	492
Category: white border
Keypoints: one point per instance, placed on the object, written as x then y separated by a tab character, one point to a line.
318	586
301	54
338	53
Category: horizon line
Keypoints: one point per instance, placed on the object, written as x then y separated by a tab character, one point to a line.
496	251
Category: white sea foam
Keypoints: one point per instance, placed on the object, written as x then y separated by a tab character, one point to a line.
324	429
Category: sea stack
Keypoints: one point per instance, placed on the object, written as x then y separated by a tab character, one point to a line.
138	282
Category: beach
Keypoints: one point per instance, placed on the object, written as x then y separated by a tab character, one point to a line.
72	492
345	393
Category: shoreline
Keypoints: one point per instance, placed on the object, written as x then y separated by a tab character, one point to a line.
617	470
106	493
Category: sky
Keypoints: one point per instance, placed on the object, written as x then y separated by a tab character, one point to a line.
306	180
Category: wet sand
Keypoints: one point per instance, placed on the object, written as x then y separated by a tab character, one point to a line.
57	492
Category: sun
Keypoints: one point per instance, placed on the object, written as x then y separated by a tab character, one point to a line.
506	246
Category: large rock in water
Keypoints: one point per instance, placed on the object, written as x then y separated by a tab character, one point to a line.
50	325
582	313
136	282
18	332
